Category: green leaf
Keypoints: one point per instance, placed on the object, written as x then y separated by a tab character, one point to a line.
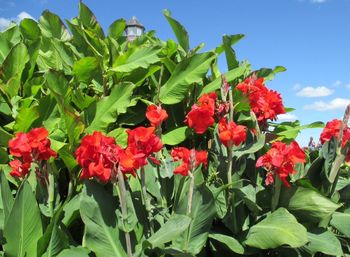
23	227
172	229
6	200
75	251
277	229
52	26
250	148
180	32
134	58
86	69
203	213
99	115
323	241
5	48
189	71
231	59
230	242
120	135
30	29
117	28
88	20
176	136
341	222
308	204
233	39
269	74
97	210
230	76
25	118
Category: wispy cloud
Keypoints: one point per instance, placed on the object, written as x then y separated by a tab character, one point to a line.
348	86
5	22
296	86
287	117
318	1
337	83
314	92
335	104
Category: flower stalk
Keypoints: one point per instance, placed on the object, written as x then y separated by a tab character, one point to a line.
147	200
123	206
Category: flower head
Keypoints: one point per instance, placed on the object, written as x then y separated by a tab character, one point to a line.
156	115
231	134
280	160
184	154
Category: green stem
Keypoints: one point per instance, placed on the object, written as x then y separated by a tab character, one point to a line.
276	194
122	192
229	165
147	200
190	194
51	193
159	83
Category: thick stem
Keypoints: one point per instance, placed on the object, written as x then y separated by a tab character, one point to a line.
51	192
276	194
147	201
159	83
190	194
229	165
123	206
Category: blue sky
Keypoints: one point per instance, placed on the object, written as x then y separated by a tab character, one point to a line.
311	38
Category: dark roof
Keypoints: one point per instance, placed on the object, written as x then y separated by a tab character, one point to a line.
134	22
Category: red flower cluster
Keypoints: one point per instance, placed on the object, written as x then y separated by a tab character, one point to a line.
97	155
142	143
265	103
231	134
156	115
184	154
33	146
201	115
280	160
332	129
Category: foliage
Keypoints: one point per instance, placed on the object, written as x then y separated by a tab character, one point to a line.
73	79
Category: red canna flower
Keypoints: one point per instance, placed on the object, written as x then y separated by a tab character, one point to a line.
184	154
156	115
142	143
280	160
97	155
231	134
33	146
265	103
201	116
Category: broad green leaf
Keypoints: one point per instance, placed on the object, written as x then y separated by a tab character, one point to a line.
5	48
230	76
30	29
86	69
52	26
341	222
97	210
250	148
269	74
176	136
77	251
71	210
23	228
323	241
120	135
187	72
233	39
116	29
230	242
25	118
180	32
171	230
3	156
203	213
140	57
89	21
6	200
308	204
99	115
230	54
277	229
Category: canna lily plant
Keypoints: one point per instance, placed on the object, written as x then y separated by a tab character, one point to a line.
119	148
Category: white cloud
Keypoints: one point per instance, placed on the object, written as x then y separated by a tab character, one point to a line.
337	83
314	92
318	1
337	103
287	117
5	22
348	86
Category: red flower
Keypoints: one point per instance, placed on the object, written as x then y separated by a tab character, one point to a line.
280	160
97	155
142	143
156	115
231	134
184	154
33	146
265	103
19	169
201	116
